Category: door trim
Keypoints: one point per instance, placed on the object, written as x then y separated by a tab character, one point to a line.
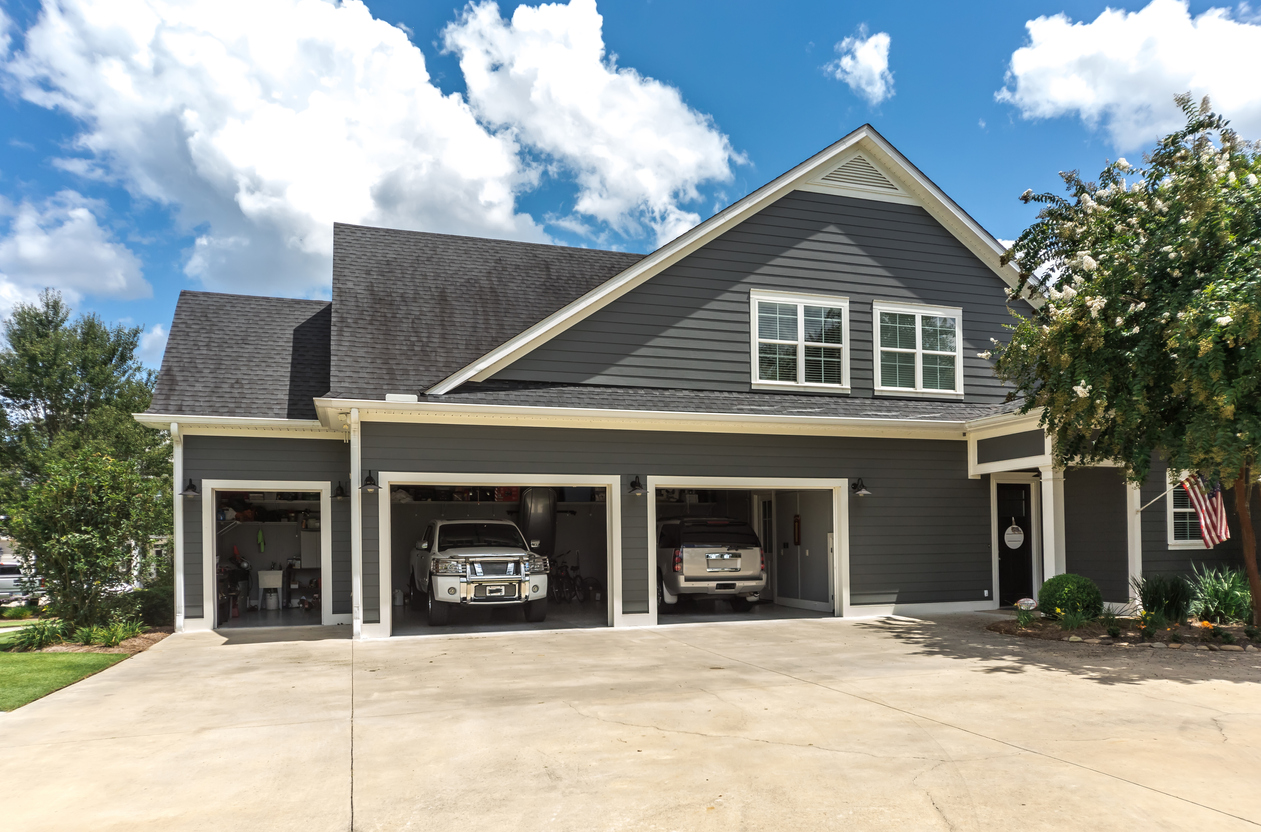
1035	520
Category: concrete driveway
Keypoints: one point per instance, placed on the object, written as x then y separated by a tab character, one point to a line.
777	725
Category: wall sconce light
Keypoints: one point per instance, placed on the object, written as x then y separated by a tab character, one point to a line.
190	491
859	489
340	494
637	488
369	484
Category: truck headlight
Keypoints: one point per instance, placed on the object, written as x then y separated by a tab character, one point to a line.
538	564
448	567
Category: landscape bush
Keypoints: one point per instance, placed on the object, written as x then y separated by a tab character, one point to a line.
1069	593
41	634
1221	595
20	612
1169	595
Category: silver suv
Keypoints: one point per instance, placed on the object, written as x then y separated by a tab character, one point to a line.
476	563
709	557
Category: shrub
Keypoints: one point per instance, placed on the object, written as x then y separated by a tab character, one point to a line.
1114	631
1024	617
1070	593
1227	638
89	635
1221	595
41	634
19	613
1169	595
1253	633
1175	637
1149	623
118	632
1073	620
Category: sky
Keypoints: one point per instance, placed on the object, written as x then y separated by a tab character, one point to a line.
147	146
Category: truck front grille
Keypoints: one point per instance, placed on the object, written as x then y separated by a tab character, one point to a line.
489	592
495	567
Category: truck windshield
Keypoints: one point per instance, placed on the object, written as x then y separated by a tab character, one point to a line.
459	535
719	533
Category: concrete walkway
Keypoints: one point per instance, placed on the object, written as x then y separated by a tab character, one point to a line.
776	725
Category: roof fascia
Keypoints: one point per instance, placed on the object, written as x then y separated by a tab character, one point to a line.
865	138
192	425
372	410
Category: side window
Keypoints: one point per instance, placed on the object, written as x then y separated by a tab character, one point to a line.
799	341
1184	523
426	542
669	538
921	349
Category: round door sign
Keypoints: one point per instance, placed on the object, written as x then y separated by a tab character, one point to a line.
1014	537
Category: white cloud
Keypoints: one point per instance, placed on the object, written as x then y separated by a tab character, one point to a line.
864	65
261	122
60	244
152	345
1122	70
636	149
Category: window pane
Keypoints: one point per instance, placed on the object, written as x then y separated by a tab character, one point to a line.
939	333
1186	526
897	369
823	325
897	331
939	372
777	321
1180	498
776	362
823	365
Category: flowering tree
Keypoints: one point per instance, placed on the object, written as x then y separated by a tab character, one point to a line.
1147	332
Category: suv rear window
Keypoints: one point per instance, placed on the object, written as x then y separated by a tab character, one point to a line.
10	570
719	533
456	535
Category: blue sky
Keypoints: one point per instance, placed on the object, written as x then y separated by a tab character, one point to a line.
147	149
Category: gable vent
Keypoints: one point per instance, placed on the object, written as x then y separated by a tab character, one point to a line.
858	171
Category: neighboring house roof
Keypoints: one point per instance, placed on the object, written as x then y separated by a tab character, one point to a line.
906	183
411	308
244	356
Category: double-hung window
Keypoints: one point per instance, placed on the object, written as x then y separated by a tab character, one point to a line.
800	341
1184	523
919	349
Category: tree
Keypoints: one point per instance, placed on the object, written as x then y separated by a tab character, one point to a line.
85	528
1146	337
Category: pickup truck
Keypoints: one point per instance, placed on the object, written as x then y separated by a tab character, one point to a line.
709	557
476	563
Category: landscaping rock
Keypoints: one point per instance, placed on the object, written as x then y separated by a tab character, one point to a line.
1234	647
1074	638
1201	647
1159	644
1121	644
1092	641
1175	646
1214	647
1250	647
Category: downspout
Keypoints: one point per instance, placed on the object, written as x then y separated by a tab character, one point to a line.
177	521
356	527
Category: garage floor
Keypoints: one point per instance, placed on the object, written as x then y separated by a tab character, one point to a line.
409	622
775	725
692	612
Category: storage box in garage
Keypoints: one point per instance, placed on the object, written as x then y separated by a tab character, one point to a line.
507	494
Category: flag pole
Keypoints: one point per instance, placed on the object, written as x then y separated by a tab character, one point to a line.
1166	491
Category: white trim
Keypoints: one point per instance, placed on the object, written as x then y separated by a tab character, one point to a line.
991	429
800	301
877	150
919	311
838	560
177	518
911	610
1134	534
1009	465
1054	557
1170	542
854	191
356	526
240	426
613	532
209	536
1035	530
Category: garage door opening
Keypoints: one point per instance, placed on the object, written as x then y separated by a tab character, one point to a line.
492	558
726	554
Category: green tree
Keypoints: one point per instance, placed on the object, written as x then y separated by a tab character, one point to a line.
85	527
1146	337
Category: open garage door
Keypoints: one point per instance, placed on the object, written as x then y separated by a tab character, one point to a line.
761	551
491	556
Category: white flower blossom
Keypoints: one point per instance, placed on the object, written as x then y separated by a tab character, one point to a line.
1068	293
1251	179
1082	390
1028	193
1122	164
1230	177
1141	306
1096	306
1181	315
1120	321
1224	320
994	341
986	354
1088	263
1134	331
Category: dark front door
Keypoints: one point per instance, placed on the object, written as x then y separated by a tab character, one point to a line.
1015	543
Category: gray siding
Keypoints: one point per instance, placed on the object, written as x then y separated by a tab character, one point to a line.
1096	539
1158	557
1012	446
265	458
923	535
688	327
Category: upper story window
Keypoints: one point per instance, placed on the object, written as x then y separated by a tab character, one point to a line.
1183	522
800	341
920	349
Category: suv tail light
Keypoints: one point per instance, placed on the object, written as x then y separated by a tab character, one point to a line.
762	552
678	560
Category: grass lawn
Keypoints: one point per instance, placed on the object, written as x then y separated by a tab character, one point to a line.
25	677
16	622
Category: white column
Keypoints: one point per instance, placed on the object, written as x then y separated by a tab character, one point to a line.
356	528
177	520
1134	528
1054	561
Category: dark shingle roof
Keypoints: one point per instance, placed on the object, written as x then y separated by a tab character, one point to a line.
410	308
539	394
237	355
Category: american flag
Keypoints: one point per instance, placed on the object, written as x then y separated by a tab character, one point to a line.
1211	509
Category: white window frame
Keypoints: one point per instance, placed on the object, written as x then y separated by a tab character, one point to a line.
801	301
920	312
1198	543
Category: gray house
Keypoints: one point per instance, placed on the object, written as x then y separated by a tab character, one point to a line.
807	360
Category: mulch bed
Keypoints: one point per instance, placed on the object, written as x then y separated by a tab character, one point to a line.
131	646
1192	635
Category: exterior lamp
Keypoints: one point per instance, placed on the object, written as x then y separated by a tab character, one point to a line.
190	491
369	484
859	489
340	493
637	488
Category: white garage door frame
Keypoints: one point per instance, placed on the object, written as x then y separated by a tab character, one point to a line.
209	544
838	562
613	528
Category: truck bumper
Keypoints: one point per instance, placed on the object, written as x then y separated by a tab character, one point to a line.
489	592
